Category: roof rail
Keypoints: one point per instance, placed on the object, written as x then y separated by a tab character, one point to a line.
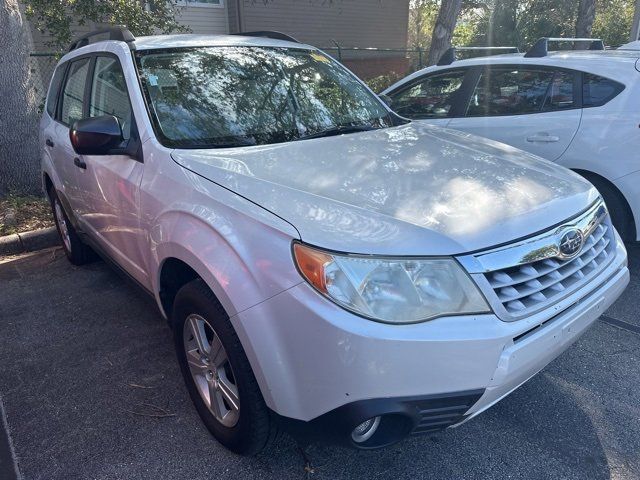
268	34
449	56
118	32
541	47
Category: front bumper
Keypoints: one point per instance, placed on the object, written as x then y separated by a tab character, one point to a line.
315	361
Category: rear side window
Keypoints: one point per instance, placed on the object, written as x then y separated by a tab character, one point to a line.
597	91
432	97
109	93
510	91
73	92
54	90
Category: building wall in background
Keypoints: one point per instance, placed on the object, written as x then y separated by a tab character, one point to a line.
351	23
205	18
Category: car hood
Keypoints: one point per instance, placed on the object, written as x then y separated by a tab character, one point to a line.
408	190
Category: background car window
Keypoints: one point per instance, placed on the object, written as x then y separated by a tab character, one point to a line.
73	93
54	90
561	94
431	98
597	90
508	91
109	93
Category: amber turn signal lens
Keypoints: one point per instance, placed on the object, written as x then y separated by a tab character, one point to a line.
311	263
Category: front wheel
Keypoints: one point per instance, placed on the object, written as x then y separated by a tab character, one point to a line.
217	372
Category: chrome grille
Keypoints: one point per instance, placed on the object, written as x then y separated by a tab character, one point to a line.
527	287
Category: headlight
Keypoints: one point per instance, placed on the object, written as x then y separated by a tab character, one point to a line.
393	290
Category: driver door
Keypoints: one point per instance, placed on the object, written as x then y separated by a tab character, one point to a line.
111	183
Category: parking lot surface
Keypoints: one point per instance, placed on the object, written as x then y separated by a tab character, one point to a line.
91	390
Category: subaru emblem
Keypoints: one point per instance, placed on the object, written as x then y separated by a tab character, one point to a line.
571	243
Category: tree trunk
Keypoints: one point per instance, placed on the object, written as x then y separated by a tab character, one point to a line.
635	26
584	23
503	24
19	149
443	30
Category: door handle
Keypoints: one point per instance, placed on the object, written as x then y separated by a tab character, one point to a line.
543	138
79	163
49	143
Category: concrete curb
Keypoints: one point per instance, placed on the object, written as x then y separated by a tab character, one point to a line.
29	241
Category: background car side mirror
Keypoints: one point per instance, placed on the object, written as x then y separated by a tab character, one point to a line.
96	135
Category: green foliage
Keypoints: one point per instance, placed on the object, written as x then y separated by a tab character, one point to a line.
381	82
613	21
57	18
521	22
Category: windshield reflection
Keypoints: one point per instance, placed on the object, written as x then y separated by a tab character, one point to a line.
219	97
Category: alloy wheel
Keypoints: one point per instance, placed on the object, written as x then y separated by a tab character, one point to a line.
211	370
62	224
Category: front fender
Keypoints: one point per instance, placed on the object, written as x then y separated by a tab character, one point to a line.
242	260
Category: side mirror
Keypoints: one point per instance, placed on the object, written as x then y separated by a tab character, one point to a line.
96	135
386	99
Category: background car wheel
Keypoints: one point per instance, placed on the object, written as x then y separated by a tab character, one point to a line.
618	209
77	252
217	372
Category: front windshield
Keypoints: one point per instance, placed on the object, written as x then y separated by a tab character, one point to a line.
234	96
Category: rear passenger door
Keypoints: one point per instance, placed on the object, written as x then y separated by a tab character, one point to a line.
70	107
532	108
433	98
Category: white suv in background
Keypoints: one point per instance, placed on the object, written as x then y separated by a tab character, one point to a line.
580	109
326	266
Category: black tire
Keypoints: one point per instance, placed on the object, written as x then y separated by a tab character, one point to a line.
76	251
619	211
255	428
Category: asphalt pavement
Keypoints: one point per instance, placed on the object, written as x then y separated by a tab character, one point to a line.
90	389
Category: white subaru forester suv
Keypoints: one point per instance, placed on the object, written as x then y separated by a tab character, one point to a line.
577	108
327	267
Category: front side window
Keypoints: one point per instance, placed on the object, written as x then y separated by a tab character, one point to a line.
109	93
509	91
433	97
73	92
236	96
598	90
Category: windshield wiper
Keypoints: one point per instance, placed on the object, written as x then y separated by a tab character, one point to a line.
339	130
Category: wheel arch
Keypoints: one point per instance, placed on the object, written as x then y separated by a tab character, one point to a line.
177	269
596	179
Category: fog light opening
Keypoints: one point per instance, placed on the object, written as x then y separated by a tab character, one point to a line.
365	430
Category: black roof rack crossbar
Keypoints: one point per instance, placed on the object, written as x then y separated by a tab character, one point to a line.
268	34
449	56
117	32
541	47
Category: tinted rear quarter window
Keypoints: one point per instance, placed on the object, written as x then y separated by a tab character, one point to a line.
54	90
597	91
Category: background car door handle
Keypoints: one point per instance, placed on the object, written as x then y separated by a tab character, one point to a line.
79	163
49	143
543	138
